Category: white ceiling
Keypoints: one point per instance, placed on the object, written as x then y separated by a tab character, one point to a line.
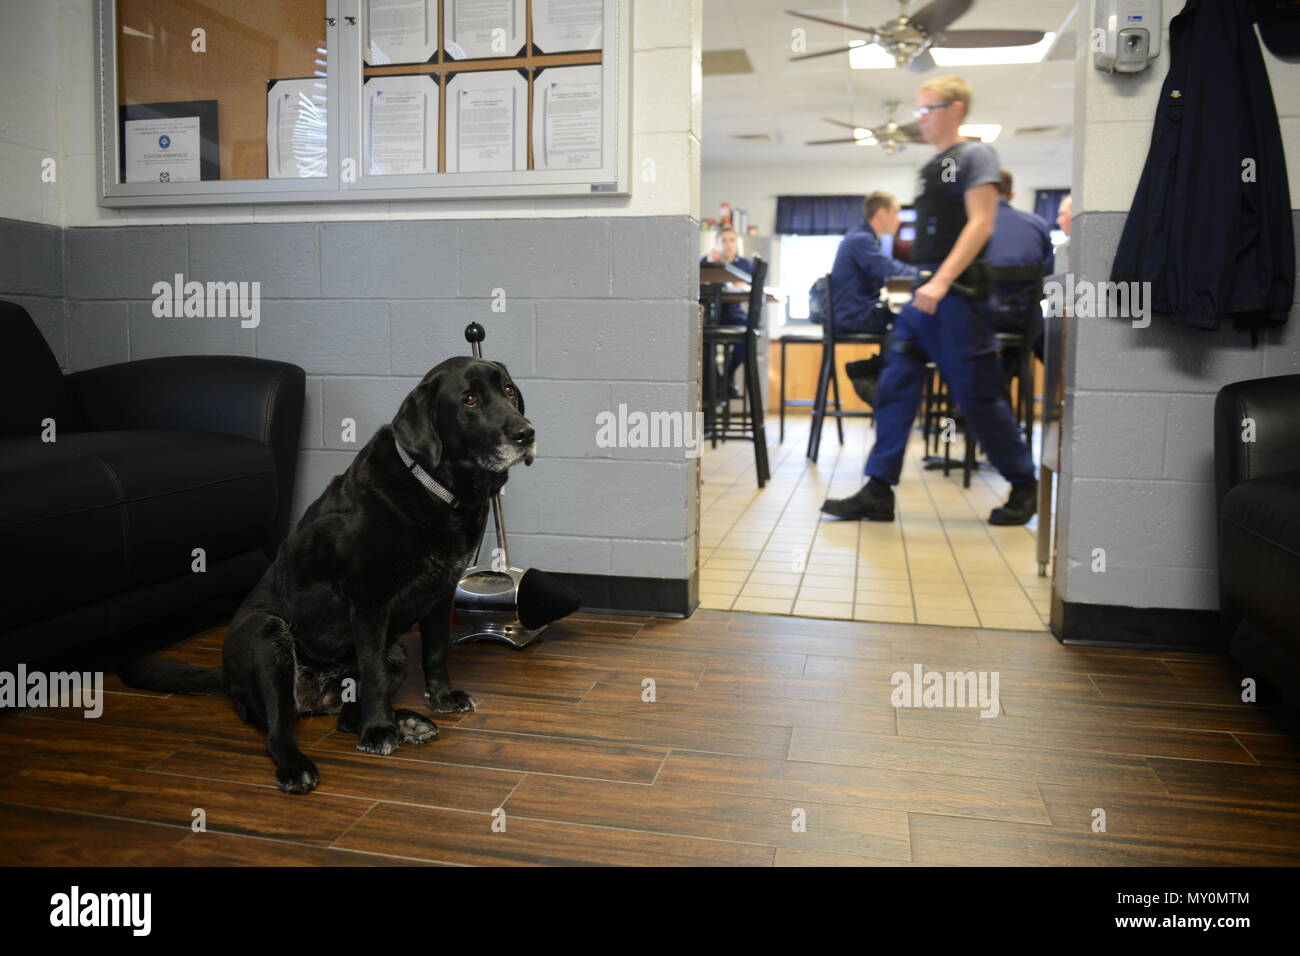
787	100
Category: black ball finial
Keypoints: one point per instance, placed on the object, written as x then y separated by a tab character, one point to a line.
474	332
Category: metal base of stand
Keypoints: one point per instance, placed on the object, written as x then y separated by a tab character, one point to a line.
487	602
935	463
516	635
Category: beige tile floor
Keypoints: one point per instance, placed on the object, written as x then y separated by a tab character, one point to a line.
938	562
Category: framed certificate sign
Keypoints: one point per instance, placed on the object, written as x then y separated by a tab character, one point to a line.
487	122
400	125
567	117
400	31
563	25
483	29
170	142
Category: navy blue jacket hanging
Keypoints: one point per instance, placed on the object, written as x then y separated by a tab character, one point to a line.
1210	227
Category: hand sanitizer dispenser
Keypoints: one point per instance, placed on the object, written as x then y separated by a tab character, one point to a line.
1126	34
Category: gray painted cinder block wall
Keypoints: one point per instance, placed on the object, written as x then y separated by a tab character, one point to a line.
1138	466
598	311
31	274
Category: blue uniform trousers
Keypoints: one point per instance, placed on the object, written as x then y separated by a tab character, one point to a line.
958	339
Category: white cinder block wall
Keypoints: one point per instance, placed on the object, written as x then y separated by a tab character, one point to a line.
601	290
1137	475
30	75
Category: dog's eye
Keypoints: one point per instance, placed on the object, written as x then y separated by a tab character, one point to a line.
471	399
510	391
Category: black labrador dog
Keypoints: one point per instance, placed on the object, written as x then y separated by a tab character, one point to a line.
379	551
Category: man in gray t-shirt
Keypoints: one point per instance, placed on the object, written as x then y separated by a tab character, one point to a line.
956	206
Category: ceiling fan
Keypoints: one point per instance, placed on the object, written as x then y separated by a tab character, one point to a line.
909	38
890	136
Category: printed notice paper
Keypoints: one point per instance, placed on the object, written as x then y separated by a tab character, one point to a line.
567	118
487	122
297	142
162	150
401	31
475	29
400	125
561	26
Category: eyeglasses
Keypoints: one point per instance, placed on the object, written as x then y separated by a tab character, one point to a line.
927	110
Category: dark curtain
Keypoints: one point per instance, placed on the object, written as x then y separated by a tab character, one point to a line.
817	215
1047	203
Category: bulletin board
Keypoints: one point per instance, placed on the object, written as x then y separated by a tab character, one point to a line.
570	107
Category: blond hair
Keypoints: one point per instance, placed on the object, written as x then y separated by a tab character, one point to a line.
952	88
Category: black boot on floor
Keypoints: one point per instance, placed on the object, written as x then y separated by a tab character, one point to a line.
874	501
1020	506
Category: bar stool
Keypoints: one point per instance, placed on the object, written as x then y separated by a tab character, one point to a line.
1021	350
828	378
748	425
792	338
1017	310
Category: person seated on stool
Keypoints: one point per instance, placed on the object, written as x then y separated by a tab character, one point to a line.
861	270
726	249
954	219
1064	221
1019	239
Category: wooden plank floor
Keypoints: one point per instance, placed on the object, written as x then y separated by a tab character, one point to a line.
757	721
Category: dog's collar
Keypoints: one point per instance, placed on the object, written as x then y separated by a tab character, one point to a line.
423	477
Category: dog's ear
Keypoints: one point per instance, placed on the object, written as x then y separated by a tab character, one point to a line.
415	426
519	393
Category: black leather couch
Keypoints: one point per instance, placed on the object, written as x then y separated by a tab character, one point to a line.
152	459
1258	488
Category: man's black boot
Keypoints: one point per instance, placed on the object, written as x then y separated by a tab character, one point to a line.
874	501
1020	506
864	375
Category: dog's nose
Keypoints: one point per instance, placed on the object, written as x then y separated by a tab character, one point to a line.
523	435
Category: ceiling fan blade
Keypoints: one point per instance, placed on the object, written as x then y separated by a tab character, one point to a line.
813	56
833	23
913	133
827	142
935	17
922	63
841	123
970	39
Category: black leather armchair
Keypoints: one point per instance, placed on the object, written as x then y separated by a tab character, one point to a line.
1257	484
150	460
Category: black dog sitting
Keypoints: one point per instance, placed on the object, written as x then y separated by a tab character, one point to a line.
381	550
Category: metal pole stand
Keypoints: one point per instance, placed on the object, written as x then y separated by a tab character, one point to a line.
487	595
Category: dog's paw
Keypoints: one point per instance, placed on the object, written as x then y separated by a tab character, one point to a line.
378	740
450	701
299	778
415	728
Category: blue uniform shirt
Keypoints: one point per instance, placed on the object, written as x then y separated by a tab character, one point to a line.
861	269
733	313
1019	239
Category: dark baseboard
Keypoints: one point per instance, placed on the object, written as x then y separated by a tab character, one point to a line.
1151	628
616	594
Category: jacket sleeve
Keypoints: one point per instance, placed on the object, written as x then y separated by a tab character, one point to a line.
870	259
